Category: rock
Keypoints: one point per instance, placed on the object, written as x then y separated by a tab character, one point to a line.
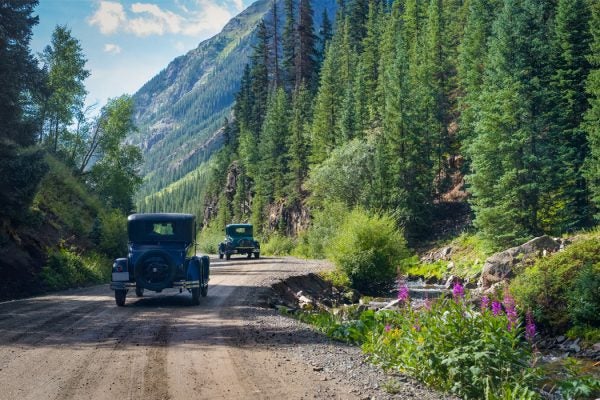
450	282
437	255
501	266
596	347
560	339
351	296
575	347
391	304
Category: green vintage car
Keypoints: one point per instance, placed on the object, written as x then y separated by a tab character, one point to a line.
239	240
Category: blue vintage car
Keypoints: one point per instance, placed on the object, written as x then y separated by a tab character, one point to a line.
161	255
239	240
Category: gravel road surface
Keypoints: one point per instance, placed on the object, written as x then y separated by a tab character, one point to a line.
78	344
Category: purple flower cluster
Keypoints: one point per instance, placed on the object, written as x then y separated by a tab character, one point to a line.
388	328
529	326
496	308
458	291
403	294
511	311
485	303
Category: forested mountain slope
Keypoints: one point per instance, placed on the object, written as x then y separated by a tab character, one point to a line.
180	110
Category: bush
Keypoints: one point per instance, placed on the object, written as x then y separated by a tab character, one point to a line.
562	290
278	245
113	234
209	239
325	225
369	250
65	269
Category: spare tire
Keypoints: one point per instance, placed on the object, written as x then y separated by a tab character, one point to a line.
154	270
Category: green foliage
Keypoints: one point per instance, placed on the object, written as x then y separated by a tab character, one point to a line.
66	199
210	237
562	290
345	175
325	225
65	62
592	116
20	173
369	249
435	270
113	233
66	268
278	245
578	384
448	346
114	177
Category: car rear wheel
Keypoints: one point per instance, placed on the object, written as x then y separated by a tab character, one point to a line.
120	296
220	255
195	296
139	291
256	255
249	255
227	256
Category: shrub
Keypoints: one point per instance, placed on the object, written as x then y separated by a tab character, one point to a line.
65	268
278	245
325	225
113	233
369	250
209	239
562	290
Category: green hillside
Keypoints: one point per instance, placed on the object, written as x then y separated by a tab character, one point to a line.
180	110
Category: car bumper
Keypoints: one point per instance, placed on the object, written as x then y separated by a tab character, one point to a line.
176	285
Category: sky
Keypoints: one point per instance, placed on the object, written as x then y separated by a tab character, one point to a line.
127	42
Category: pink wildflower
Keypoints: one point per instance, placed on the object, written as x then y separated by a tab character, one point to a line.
485	303
496	308
388	328
428	304
403	294
529	326
511	311
458	291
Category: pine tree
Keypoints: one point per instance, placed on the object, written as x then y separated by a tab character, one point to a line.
510	154
277	81
289	46
571	44
299	143
592	115
471	61
369	61
306	52
326	130
260	79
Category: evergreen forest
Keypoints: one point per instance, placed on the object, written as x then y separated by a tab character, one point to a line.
413	109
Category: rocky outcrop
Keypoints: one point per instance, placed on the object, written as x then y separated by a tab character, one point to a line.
502	266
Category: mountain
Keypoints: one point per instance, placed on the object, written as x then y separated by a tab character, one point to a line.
179	112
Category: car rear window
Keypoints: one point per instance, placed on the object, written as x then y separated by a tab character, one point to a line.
163	228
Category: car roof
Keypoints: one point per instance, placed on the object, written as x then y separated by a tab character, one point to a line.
239	226
160	217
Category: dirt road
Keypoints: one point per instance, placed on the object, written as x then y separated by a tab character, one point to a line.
79	345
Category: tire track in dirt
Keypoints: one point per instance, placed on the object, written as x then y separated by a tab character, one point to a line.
156	385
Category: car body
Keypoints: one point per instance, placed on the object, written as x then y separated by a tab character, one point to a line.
239	239
161	255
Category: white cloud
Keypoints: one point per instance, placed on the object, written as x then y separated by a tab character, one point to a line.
145	19
180	46
109	17
239	5
112	48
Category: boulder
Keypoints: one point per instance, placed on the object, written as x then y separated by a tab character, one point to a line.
501	266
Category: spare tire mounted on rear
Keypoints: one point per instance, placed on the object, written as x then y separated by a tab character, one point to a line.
154	270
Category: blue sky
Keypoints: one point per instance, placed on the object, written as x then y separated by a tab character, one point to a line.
127	42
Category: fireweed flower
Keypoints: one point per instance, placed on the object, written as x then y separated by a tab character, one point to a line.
529	326
428	304
485	303
458	291
511	311
496	308
403	295
388	328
